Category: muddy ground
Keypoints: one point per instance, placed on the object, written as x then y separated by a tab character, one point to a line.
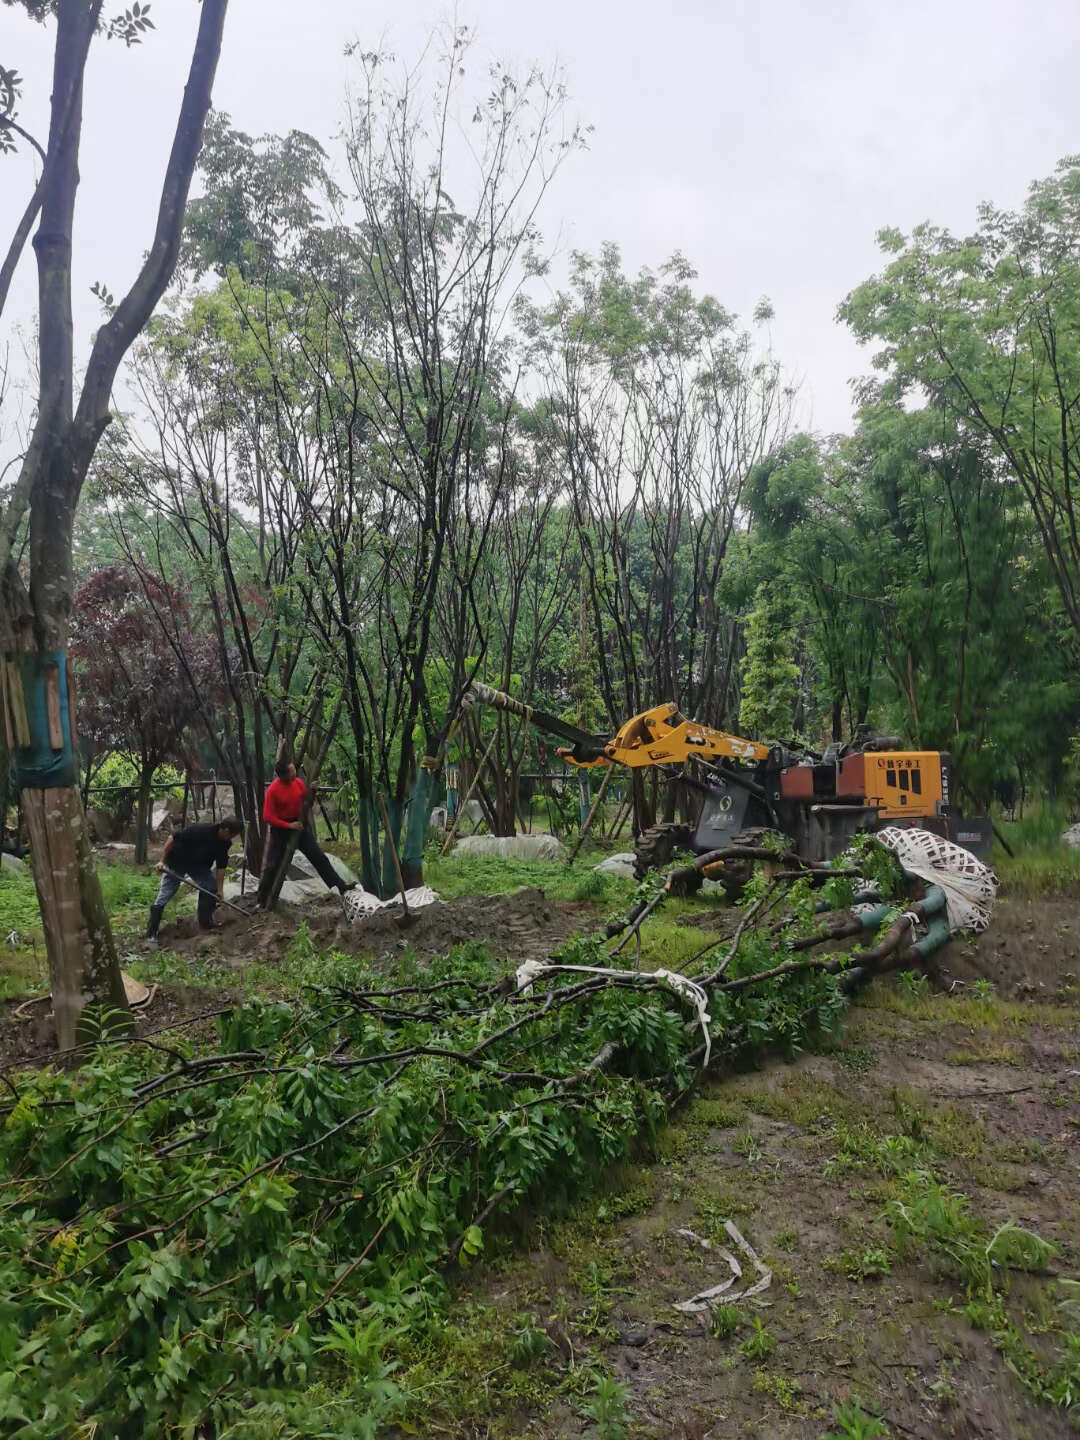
520	926
848	1316
1032	948
986	1090
525	923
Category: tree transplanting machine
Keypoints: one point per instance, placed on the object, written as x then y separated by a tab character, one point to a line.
745	787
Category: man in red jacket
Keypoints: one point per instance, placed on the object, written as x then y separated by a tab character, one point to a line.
283	811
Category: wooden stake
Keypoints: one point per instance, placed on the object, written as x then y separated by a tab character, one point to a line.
52	705
475	781
6	698
624	813
592	813
72	699
405	919
18	704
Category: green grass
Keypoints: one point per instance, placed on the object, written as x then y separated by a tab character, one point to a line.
18	904
1041	864
482	875
1032	874
488	875
977	1017
127	892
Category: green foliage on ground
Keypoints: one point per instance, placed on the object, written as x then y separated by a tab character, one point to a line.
194	1238
488	875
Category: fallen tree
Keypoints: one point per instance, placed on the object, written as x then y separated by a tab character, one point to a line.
315	1173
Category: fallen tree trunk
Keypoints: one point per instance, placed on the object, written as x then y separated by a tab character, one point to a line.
392	1122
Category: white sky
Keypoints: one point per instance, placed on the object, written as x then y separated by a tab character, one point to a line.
767	141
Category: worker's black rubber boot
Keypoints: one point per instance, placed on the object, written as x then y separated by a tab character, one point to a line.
153	924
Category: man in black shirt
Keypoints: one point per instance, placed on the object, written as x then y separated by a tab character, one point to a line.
196	851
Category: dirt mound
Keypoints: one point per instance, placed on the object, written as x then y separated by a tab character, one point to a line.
519	926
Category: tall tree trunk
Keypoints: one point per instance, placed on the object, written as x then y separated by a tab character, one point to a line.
144	813
5	785
84	969
86	982
87	988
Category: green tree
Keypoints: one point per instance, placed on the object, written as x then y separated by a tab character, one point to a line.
804	529
988	325
916	572
40	506
770	680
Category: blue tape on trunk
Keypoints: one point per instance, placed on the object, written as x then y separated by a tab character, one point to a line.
37	765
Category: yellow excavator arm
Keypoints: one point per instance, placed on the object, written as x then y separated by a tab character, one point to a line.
663	736
660	736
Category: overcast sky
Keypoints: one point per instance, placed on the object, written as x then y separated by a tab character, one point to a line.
766	141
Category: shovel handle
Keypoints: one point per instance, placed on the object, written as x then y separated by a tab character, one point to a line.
393	852
184	880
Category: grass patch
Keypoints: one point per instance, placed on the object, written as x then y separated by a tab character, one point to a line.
988	1013
1032	874
785	1391
709	1112
488	875
1041	864
989	1054
481	1367
23	968
725	1321
811	1104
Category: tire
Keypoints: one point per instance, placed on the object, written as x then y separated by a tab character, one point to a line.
656	847
737	873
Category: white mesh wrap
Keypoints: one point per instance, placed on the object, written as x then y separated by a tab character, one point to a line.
361	902
970	886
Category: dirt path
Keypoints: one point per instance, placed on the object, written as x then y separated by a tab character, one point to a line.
806	1159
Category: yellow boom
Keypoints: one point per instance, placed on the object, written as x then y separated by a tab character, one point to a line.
660	736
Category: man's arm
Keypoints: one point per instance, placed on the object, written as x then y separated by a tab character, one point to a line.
166	852
298	823
222	865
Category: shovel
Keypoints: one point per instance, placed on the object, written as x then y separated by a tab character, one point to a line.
203	891
406	918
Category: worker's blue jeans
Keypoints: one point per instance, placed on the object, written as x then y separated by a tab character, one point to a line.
202	875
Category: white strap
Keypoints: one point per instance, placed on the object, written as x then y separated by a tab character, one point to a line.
684	987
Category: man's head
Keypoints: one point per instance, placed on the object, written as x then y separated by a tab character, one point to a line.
285	770
229	828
